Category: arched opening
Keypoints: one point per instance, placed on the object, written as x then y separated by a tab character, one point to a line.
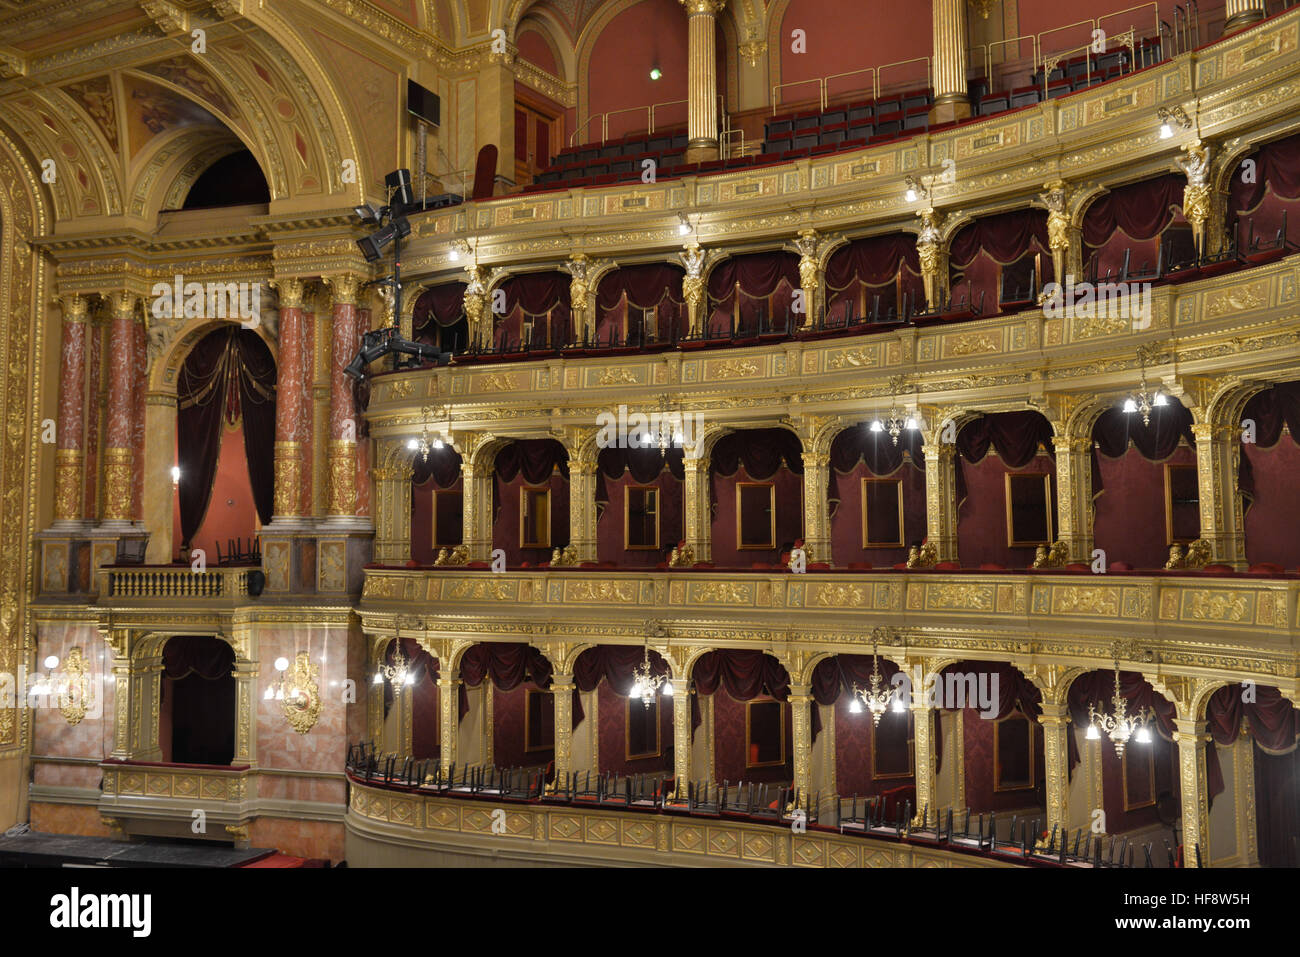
410	687
750	296
756	497
1135	232
234	180
876	496
530	501
1144	485
641	305
1006	489
623	734
639	505
872	280
437	504
748	717
439	317
197	701
998	263
225	441
1266	477
537	317
1262	213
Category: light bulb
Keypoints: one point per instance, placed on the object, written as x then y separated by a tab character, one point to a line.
877	426
855	706
1166	130
910	425
379	679
898	705
437	443
176	474
655	73
910	195
454	255
1143	735
281	664
667	687
1159	399
409	679
1130	405
636	690
1093	734
52	662
270	693
279	694
412	444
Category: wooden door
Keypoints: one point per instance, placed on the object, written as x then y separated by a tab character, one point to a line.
536	135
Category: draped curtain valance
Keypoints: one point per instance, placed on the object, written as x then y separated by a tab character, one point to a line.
1141	211
761	451
1270	410
1005	238
1115	429
646	286
1277	167
872	262
537	293
644	465
743	675
443	305
534	459
757	274
209	658
1015	436
442	465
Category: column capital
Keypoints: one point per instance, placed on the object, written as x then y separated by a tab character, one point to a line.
344	288
704	8
75	308
292	292
122	304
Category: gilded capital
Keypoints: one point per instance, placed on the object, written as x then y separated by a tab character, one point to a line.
292	292
704	8
122	305
344	289
75	308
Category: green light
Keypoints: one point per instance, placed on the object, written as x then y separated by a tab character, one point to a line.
655	73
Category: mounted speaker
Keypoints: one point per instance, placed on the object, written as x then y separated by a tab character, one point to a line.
256	582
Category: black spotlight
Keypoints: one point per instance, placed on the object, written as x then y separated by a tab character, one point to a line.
399	187
373	246
256	582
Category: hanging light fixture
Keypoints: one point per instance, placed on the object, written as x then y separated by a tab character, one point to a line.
1145	399
1119	725
876	699
646	684
399	671
895	422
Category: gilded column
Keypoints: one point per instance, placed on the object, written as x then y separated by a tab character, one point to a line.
119	441
476	530
448	717
1191	738
697	514
681	734
816	509
1243	786
1217	462
562	695
801	731
392	513
941	499
69	454
1055	719
702	116
292	411
923	744
1240	14
948	67
343	413
246	698
582	499
1074	495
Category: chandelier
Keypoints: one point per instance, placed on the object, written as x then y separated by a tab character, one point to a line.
426	441
896	421
646	684
876	700
1144	400
1119	726
399	671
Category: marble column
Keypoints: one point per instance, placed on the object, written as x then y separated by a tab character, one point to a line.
562	696
681	735
342	501
1191	737
702	79
69	453
1217	461
1239	14
948	63
292	409
119	441
941	499
1055	719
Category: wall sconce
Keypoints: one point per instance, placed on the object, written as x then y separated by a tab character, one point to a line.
297	690
1171	117
176	476
915	189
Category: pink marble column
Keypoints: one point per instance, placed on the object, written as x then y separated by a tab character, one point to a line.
119	459
69	454
345	339
140	387
292	411
363	447
96	342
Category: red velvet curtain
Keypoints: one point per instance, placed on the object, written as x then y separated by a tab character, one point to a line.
1274	723
1270	410
742	674
1015	691
1115	429
760	451
229	375
442	465
508	665
443	305
858	444
1005	238
1277	167
536	459
540	294
645	465
1016	436
1141	210
757	273
615	664
874	261
646	285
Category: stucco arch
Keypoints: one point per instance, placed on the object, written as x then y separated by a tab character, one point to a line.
542	22
171	163
164	372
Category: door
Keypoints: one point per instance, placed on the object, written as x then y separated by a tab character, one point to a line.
536	132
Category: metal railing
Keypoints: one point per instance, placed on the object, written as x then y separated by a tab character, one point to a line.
650	113
823	97
988	59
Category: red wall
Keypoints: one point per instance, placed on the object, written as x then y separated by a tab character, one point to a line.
534	49
789	519
609	529
977	742
1112	784
1266	219
611	715
729	745
231	512
1273	521
1035	16
1129	517
505	531
508	730
651	33
853	758
982	520
422	549
845	35
846	523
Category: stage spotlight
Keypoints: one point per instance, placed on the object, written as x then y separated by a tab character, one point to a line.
372	246
367	213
